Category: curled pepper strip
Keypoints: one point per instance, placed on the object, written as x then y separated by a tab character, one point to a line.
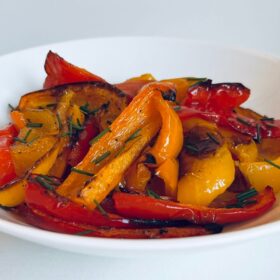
143	207
43	221
233	121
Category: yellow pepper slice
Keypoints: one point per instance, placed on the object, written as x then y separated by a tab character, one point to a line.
208	177
112	173
168	171
139	113
262	174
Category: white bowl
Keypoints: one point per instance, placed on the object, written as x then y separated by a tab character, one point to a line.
117	59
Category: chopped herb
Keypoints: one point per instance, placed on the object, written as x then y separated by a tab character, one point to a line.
33	140
77	126
27	134
133	136
85	109
150	159
81	171
153	194
267	119
30	124
272	163
50	179
258	136
101	134
191	148
243	121
100	208
241	197
12	108
84	232
70	132
120	151
16	139
177	108
59	121
44	183
51	105
101	158
213	138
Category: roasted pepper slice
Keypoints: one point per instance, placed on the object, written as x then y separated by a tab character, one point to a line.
144	207
261	174
41	220
59	72
139	113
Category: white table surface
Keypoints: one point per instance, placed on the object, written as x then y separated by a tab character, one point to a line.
251	24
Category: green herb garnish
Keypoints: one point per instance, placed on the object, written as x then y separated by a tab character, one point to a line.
120	151
34	125
16	139
85	109
59	121
12	108
27	134
133	136
267	119
77	126
50	180
84	232
101	158
81	171
243	121
44	183
153	194
272	163
258	136
101	134
241	197
177	108
213	138
100	208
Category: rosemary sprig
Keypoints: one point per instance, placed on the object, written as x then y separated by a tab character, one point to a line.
81	172
133	135
213	138
85	109
34	125
77	126
152	194
101	158
16	139
101	134
24	139
120	151
272	163
100	208
44	183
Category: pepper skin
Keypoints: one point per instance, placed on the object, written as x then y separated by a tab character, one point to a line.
60	72
262	174
144	207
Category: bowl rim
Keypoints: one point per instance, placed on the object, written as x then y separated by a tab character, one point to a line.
42	236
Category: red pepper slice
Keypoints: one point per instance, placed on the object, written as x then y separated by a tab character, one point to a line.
81	147
43	221
7	170
46	201
216	97
233	121
145	207
59	72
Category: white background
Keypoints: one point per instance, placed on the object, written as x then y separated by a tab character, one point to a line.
250	24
